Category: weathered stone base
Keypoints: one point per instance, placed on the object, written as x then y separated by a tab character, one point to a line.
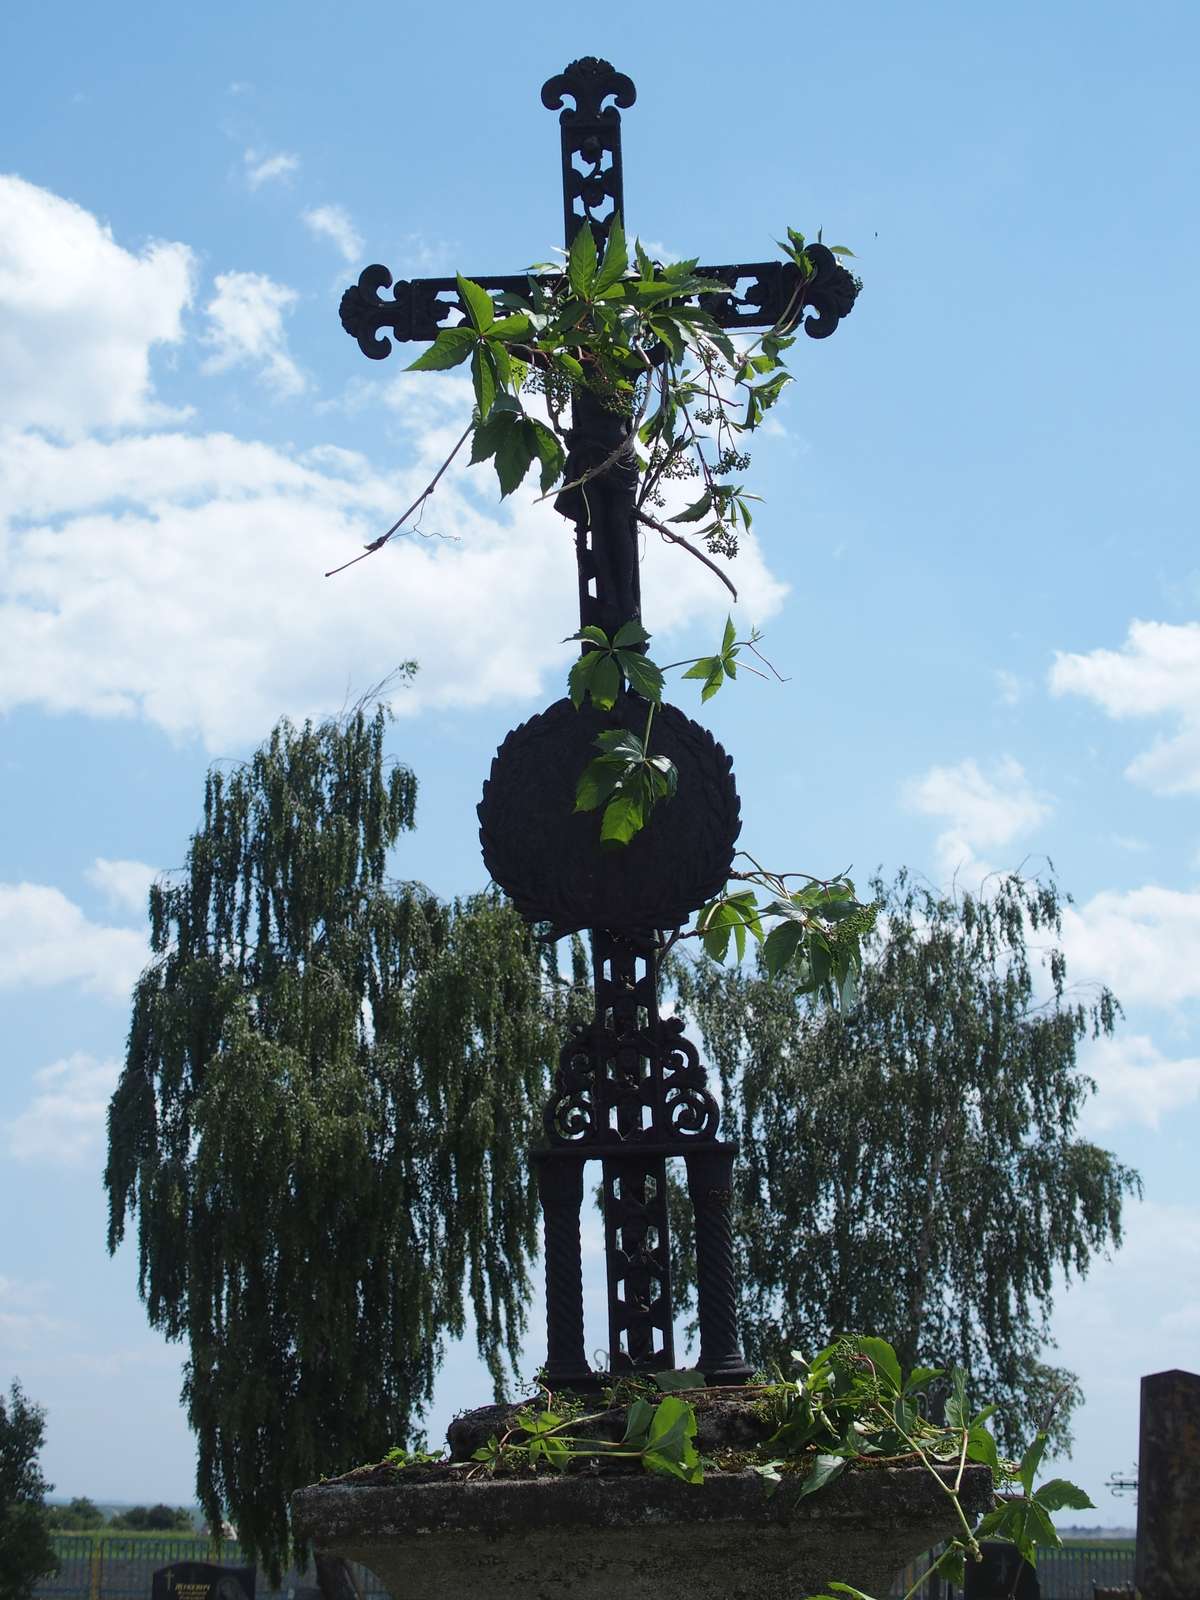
597	1537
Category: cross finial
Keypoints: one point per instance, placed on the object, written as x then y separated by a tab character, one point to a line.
590	130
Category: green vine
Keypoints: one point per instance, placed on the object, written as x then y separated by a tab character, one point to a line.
634	335
850	1403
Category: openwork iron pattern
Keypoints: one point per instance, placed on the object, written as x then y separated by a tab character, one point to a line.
762	294
629	1077
592	179
637	1253
630	1089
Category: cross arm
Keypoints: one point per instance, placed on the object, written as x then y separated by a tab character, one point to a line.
417	309
773	294
762	294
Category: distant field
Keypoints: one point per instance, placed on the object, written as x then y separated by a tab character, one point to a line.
1129	1545
101	1535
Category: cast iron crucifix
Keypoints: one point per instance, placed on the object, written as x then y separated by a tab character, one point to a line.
630	1090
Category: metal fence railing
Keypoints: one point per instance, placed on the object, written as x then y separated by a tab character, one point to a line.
106	1566
1072	1573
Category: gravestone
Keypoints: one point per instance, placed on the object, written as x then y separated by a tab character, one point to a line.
202	1580
1001	1575
1168	1525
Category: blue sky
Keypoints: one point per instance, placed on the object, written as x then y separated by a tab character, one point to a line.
977	562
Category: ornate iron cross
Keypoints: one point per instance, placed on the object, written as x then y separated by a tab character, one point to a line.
630	1090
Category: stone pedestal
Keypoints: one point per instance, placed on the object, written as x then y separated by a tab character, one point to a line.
597	1537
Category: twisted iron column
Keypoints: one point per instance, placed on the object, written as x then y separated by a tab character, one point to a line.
710	1186
560	1190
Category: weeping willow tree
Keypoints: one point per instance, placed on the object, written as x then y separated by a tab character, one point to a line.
321	1123
910	1168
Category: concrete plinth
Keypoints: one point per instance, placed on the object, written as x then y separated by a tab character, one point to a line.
596	1537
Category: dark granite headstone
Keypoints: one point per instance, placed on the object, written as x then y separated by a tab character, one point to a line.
202	1580
1001	1575
1168	1527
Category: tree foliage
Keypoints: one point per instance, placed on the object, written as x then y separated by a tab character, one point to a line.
158	1518
910	1168
26	1553
322	1120
80	1516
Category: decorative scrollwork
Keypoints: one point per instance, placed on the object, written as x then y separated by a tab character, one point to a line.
570	1114
689	1110
777	296
831	292
589	81
363	312
630	1078
590	132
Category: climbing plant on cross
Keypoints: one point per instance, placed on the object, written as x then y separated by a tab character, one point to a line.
648	375
619	377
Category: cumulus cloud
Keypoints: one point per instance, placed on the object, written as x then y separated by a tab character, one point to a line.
45	940
179	578
64	1123
79	316
124	884
333	223
981	811
1144	943
1156	673
1137	1311
246	329
262	168
1136	1082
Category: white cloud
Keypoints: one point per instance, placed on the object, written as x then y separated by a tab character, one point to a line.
1010	690
64	1124
124	884
246	327
982	811
1136	1082
1156	673
24	1324
1161	1249
263	168
45	940
1134	1313
79	316
180	578
333	223
1144	943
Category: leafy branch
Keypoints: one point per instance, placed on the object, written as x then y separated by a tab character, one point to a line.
819	926
662	1437
861	1378
638	336
850	1403
641	339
